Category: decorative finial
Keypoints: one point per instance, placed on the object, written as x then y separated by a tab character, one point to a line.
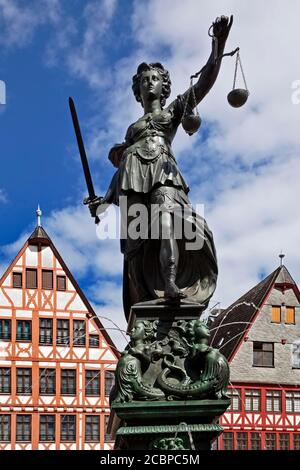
38	214
281	256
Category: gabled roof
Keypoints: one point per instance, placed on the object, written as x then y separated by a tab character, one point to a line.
40	236
229	328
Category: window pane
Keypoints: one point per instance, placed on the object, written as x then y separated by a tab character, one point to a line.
257	358
263	354
255	441
47	428
268	358
94	341
267	346
61	282
295	355
17	280
23	381
46	331
92	382
270	441
23	330
47	381
68	428
23	428
107	436
252	400
292	402
296	439
284	442
68	382
242	441
5	330
63	332
109	381
234	394
273	400
228	440
92	428
290	315
276	314
79	332
5	380
31	278
47	279
5	429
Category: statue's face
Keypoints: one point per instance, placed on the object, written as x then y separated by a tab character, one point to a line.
150	85
201	331
138	331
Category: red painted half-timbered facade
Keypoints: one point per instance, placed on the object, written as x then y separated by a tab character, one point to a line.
260	336
56	360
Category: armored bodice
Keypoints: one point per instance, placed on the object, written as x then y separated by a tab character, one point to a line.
153	133
146	159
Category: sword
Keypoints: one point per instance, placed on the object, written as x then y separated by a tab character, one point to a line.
83	157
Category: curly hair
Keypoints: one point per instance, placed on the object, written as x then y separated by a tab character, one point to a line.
192	324
149	329
166	82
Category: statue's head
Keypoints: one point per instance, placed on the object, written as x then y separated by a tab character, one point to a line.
198	330
161	84
142	329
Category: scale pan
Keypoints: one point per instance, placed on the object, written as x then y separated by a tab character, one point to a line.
191	123
237	97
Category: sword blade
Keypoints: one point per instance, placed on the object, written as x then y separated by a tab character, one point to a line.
81	148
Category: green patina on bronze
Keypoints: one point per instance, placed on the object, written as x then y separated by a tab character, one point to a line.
162	266
171	443
185	365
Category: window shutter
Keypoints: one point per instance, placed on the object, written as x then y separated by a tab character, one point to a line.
61	282
290	315
17	279
276	314
47	279
31	278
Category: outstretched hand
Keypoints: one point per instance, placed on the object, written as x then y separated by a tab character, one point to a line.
221	27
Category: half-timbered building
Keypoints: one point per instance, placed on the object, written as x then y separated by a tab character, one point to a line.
260	336
56	359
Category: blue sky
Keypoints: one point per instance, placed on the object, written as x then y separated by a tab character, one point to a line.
243	164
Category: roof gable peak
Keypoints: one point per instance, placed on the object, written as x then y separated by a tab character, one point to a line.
284	277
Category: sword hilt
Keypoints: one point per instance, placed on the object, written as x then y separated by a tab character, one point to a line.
89	201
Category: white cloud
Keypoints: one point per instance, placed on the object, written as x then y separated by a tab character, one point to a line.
81	49
19	22
107	303
3	197
252	224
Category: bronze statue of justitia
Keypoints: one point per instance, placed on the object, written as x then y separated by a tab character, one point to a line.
147	173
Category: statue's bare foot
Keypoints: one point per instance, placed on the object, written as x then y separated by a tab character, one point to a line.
173	292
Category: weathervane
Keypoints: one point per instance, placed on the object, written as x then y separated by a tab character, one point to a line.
281	256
